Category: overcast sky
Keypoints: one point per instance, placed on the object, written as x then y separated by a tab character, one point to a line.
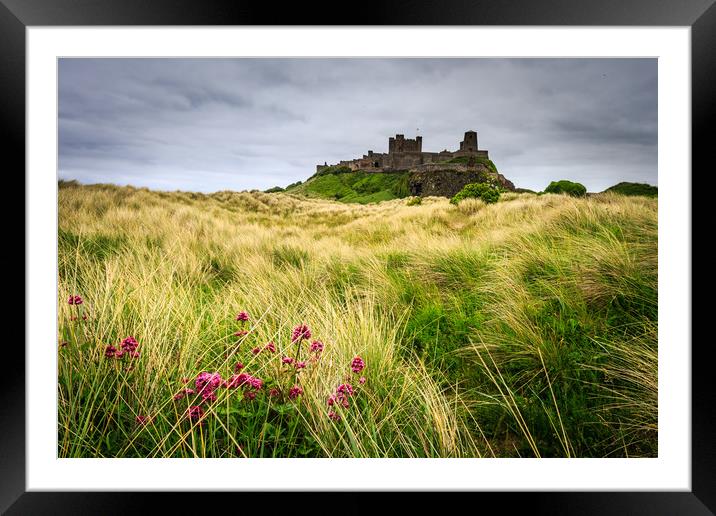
239	124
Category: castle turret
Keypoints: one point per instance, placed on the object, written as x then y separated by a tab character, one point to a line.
469	144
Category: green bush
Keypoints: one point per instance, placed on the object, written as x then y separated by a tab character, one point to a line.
414	201
568	187
484	191
274	189
634	189
293	185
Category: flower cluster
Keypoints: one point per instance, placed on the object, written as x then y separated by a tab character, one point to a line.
75	300
357	365
128	346
295	392
301	332
206	383
345	390
195	413
243	317
316	346
143	420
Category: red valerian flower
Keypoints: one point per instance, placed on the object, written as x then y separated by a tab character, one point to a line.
256	351
274	392
143	420
75	300
345	388
271	347
331	400
300	365
129	345
301	332
334	416
110	351
316	346
287	360
250	395
243	316
357	364
295	392
238	367
362	380
241	333
195	413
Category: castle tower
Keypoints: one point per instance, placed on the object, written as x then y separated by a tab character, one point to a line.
400	144
469	144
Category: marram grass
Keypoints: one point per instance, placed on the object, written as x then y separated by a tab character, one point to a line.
523	328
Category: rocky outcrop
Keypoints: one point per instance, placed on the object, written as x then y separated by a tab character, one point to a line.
447	180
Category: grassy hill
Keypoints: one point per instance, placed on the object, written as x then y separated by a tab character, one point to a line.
525	328
355	187
634	189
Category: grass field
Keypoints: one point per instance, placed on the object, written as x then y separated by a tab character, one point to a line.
524	328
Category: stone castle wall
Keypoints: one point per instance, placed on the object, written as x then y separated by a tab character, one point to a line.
406	154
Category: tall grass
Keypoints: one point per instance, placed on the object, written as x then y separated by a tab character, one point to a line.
527	327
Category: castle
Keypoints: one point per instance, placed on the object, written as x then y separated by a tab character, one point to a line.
406	154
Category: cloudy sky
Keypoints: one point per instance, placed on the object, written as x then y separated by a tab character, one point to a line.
239	124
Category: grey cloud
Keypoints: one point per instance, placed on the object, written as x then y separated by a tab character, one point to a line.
214	124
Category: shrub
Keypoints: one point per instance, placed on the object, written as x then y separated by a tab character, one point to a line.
484	191
568	187
274	189
414	201
293	185
634	189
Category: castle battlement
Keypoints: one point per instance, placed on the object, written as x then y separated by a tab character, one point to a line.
404	154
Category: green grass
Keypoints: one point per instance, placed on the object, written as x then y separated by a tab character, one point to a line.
355	187
464	160
527	327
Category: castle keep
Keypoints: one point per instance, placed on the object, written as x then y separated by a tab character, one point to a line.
407	154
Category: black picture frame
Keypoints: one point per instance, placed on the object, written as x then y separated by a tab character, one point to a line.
17	15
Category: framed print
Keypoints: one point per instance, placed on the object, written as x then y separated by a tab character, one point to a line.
423	253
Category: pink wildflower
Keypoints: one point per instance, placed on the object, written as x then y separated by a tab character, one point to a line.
256	351
238	367
143	420
75	300
331	400
195	412
300	365
345	389
134	354
334	416
208	395
185	380
129	344
357	364
250	395
362	380
295	392
110	351
316	346
243	316
300	332
256	383
287	360
274	392
271	347
241	333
